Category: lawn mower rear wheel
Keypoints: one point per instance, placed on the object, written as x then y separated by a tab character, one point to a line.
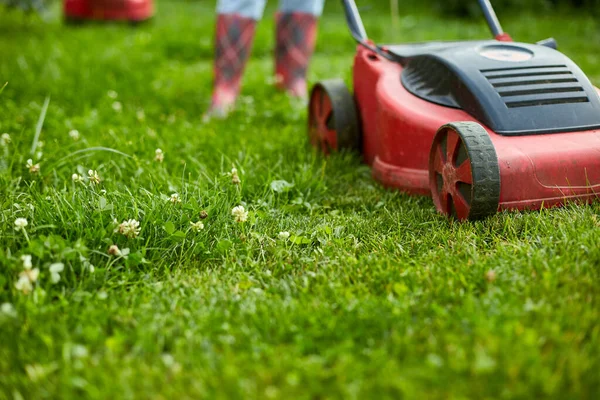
333	119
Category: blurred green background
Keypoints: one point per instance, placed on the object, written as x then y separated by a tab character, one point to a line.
467	8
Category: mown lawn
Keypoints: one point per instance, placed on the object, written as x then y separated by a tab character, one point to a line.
373	295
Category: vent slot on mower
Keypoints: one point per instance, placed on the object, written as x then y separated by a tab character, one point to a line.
536	85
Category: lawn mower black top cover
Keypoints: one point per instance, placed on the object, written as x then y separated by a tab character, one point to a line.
513	88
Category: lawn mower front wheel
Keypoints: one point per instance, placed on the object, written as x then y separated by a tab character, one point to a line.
332	118
464	175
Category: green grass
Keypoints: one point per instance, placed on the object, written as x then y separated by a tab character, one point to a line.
374	295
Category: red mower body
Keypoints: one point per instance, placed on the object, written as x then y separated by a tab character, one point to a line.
108	10
480	126
398	129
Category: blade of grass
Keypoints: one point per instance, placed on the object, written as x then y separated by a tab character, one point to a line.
88	150
38	127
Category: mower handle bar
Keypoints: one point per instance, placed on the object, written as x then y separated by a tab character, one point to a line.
357	28
491	17
359	33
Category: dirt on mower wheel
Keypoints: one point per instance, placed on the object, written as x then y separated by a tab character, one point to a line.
464	175
332	118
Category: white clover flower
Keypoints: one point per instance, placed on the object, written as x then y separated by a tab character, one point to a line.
141	115
93	176
33	168
27	264
74	134
117	106
168	359
87	265
5	139
112	94
8	310
31	274
39	145
197	226
490	276
26	279
170	362
55	270
24	285
235	179
20	224
240	214
283	235
37	372
77	178
175	199
39	155
79	351
159	155
130	228
114	250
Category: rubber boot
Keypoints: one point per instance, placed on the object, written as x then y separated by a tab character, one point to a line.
296	38
233	44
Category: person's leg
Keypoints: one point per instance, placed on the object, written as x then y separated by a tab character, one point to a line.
296	36
235	28
252	9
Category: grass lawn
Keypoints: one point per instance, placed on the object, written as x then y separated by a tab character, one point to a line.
373	295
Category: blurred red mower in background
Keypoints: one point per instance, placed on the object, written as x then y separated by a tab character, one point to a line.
480	126
108	10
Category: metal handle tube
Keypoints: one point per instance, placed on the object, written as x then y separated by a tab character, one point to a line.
355	23
491	17
357	29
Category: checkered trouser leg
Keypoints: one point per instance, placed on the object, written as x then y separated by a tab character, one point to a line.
234	37
296	37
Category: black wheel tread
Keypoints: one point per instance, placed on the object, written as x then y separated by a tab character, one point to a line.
344	112
484	167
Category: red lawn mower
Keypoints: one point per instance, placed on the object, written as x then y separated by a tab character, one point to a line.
480	126
108	10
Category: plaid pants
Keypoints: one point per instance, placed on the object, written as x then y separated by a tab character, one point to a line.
254	8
